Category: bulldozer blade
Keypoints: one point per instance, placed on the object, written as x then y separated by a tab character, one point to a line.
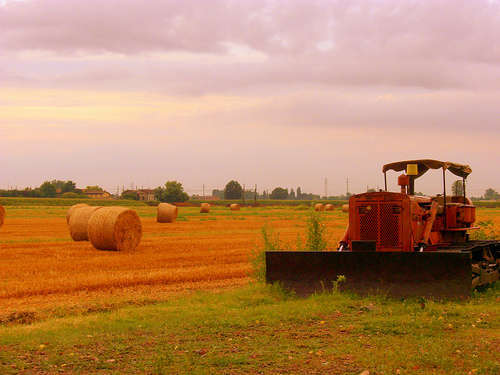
435	275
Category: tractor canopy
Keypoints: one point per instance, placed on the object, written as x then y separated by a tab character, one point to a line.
424	165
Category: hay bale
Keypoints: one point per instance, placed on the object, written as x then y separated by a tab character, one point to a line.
115	228
329	207
73	208
2	215
319	207
167	213
79	220
345	208
205	208
235	207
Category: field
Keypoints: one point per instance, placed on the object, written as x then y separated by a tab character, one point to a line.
182	303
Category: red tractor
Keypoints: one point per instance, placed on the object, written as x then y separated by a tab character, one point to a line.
399	243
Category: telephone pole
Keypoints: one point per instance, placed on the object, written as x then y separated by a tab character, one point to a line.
347	183
326	188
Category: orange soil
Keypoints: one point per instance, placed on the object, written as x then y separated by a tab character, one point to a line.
42	270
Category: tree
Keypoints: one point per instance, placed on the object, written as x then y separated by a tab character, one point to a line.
95	187
68	187
491	194
457	188
279	193
233	190
172	192
292	194
130	194
299	193
48	189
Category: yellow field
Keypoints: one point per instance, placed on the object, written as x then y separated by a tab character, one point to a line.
45	273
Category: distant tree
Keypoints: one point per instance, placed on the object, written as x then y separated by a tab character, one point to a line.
491	194
371	190
279	193
299	193
68	187
457	188
233	190
172	192
130	194
292	194
95	187
48	189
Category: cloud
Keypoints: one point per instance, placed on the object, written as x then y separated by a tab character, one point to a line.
432	45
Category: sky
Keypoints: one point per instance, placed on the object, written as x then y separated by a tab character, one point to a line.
267	92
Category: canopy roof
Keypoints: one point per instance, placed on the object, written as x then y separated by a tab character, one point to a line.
425	164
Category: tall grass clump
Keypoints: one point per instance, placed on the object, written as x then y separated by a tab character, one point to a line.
316	232
271	242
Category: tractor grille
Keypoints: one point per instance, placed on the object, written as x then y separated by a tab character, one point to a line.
368	222
380	222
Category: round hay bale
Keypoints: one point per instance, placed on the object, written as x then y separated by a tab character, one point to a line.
72	208
329	207
78	222
235	207
345	208
319	207
115	228
2	215
167	213
205	208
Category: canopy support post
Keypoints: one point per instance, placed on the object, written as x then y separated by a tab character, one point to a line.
385	180
463	186
444	197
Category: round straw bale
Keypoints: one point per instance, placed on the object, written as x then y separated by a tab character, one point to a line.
234	207
319	207
115	228
328	207
345	208
205	208
78	222
2	215
72	208
167	213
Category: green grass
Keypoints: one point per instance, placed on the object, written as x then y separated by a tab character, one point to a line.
259	329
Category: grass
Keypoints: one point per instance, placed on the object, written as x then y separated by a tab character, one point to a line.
261	330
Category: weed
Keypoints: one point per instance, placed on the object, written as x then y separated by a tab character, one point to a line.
316	232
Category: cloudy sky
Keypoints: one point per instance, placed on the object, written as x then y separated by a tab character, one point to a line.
268	92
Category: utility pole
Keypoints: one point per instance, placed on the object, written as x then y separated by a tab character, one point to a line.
255	194
347	183
203	191
326	188
243	196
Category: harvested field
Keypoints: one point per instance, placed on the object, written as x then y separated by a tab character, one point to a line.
45	273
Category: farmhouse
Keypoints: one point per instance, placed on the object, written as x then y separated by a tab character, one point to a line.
96	193
146	194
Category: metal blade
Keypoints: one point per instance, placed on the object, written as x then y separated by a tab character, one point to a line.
400	274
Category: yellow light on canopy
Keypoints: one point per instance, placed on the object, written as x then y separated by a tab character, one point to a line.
412	169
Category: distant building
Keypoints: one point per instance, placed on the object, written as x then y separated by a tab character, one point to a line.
96	193
146	194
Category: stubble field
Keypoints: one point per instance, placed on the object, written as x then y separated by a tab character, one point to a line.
44	273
